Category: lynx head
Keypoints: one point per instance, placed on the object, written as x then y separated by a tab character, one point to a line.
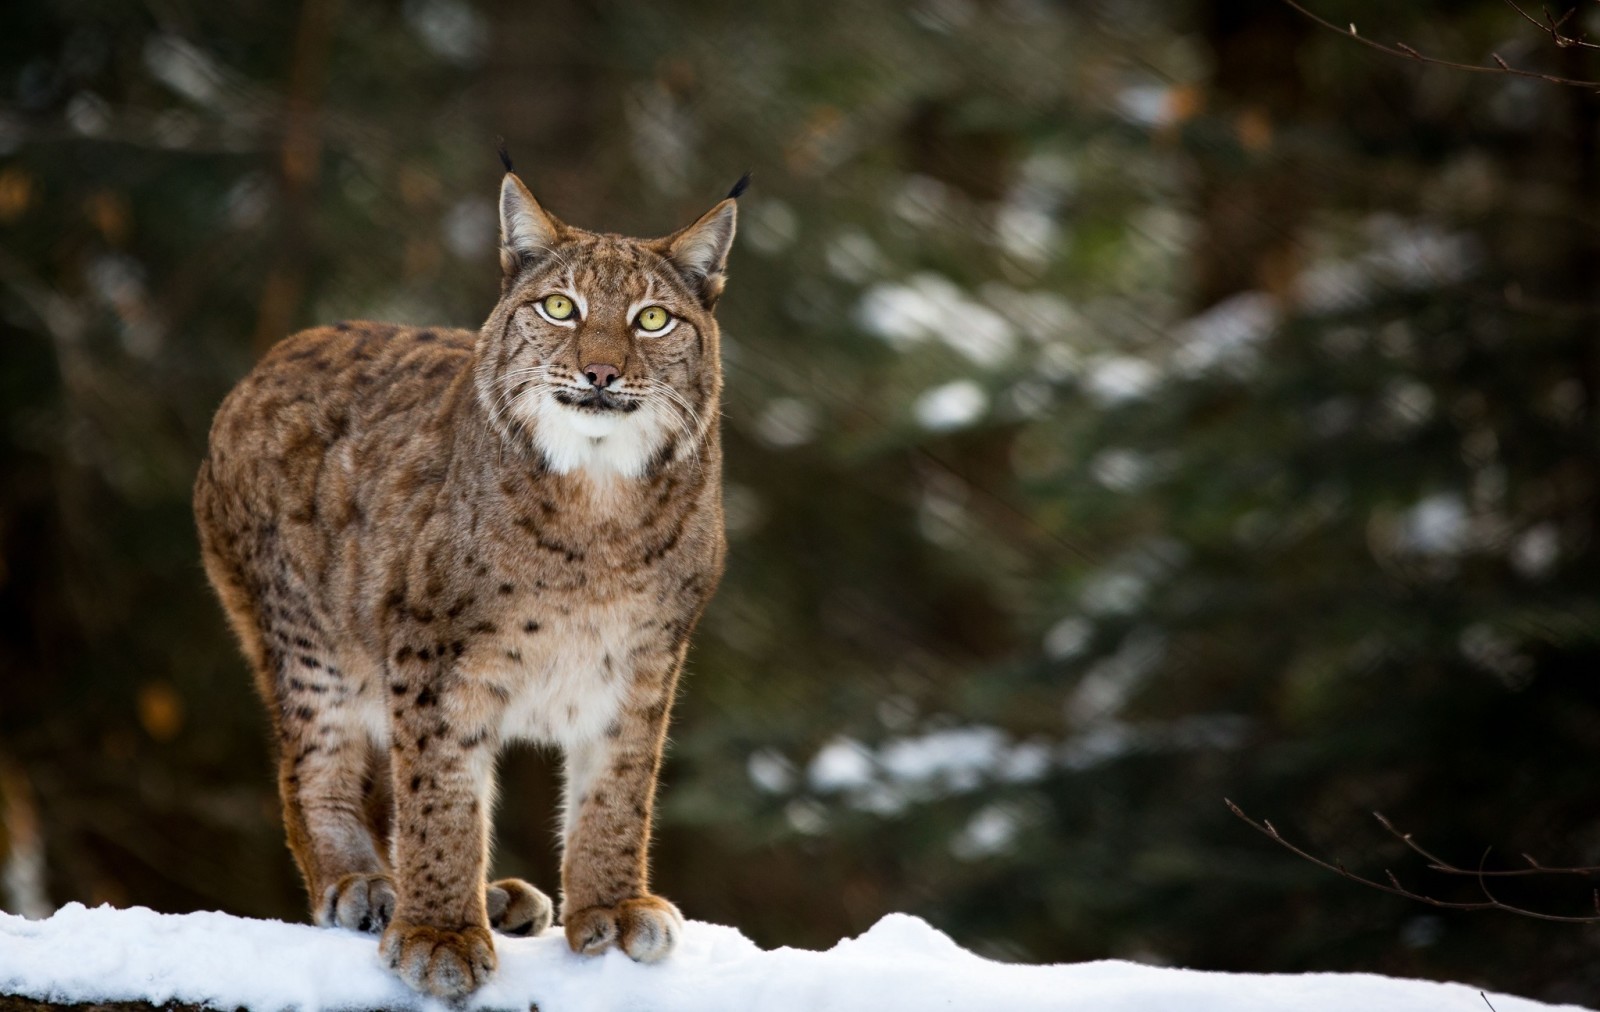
603	350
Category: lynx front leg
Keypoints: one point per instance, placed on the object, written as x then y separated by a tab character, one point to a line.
610	789
438	941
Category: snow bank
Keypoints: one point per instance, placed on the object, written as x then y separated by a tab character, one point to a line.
103	954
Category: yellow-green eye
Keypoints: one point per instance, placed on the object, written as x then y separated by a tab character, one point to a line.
653	318
557	307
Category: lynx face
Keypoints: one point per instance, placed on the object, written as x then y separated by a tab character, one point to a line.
601	351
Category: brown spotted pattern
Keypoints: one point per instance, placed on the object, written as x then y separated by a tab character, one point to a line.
433	542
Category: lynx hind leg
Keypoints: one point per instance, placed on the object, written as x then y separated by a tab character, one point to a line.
326	781
365	900
360	901
331	842
517	908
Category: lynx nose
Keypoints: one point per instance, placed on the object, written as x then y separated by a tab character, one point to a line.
601	375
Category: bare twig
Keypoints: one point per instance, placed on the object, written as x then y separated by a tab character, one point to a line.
1409	53
1395	888
1436	863
1552	27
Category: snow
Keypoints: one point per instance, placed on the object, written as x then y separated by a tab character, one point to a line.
1435	525
1148	105
951	406
911	769
787	422
929	306
1119	378
1227	334
1068	638
105	954
914	768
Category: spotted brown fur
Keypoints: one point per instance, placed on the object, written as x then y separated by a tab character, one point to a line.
425	554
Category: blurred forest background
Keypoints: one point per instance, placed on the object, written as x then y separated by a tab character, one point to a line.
1130	405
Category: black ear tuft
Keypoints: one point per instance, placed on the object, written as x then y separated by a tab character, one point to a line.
738	188
505	156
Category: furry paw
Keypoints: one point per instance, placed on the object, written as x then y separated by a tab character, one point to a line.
438	961
517	908
360	902
645	928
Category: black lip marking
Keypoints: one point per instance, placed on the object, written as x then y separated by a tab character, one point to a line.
598	400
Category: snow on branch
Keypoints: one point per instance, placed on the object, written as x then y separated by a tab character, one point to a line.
1394	887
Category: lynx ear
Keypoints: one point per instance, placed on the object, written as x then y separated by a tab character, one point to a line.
700	251
527	231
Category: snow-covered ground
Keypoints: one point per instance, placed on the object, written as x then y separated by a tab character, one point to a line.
227	962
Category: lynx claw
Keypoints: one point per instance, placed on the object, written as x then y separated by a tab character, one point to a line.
360	902
517	908
646	928
438	961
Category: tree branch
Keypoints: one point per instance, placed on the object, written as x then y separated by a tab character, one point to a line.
1406	52
1552	27
1395	888
1436	863
16	1003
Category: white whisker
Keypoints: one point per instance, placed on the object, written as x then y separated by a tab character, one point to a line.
686	420
512	385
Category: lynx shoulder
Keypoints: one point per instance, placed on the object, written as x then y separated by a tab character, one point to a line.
432	542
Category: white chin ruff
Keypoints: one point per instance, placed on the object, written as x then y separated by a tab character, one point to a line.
573	439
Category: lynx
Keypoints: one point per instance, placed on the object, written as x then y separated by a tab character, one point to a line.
434	542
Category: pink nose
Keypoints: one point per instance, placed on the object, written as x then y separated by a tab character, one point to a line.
601	375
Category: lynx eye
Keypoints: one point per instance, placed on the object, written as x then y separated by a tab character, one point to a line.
652	319
557	307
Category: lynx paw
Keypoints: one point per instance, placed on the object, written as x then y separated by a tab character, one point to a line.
438	961
645	928
517	908
360	902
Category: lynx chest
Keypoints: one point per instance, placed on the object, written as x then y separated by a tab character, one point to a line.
558	672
